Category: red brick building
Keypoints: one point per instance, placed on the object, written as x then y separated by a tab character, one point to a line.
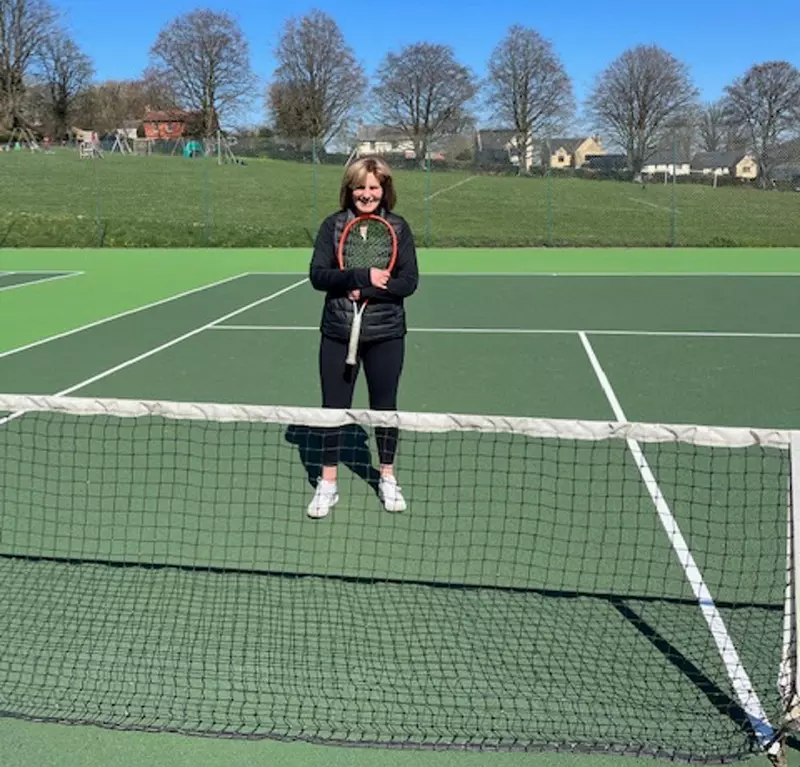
170	123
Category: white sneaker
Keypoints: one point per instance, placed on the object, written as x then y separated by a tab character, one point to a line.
390	495
325	498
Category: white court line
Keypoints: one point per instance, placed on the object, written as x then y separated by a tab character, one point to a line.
748	698
653	205
539	331
31	283
448	188
118	316
161	347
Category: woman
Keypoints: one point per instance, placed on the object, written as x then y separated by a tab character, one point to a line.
367	187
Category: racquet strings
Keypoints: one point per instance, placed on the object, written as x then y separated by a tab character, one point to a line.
367	244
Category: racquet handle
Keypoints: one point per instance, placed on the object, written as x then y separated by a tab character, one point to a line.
355	332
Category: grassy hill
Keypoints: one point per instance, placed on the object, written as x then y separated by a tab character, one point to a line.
59	200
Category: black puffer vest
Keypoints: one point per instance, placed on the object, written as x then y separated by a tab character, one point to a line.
384	317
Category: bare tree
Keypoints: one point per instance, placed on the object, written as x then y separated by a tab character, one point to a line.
717	134
528	88
712	128
764	104
318	82
24	26
206	58
640	96
109	104
66	72
293	116
423	93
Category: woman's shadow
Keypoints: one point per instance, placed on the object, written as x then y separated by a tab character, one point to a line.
354	452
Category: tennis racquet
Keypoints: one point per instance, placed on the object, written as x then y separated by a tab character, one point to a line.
367	241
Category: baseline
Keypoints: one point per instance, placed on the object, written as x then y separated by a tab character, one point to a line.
537	331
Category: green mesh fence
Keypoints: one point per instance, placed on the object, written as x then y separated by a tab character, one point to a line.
258	193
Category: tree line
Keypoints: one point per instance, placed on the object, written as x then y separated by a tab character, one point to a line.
642	101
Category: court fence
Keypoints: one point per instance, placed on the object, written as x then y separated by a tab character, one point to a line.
259	193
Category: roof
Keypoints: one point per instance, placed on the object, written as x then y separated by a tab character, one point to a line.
494	138
717	159
666	157
567	144
167	115
379	133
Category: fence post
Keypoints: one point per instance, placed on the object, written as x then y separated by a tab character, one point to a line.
206	201
673	216
548	237
427	200
98	204
314	193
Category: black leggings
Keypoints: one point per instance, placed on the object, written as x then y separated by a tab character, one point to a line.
383	364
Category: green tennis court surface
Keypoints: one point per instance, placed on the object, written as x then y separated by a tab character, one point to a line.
687	337
17	279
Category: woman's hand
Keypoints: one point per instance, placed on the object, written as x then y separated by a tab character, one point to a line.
379	277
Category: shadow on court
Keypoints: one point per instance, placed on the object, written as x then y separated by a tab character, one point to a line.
353	445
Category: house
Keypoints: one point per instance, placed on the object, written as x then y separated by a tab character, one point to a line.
170	123
377	139
736	164
570	152
665	162
501	146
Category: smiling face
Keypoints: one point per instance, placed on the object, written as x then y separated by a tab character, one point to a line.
367	194
367	187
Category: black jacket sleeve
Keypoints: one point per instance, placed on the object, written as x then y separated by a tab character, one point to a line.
324	271
405	276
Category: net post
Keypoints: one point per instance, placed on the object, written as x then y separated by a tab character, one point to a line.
789	679
793	571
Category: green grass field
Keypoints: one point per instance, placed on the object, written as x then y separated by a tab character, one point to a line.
59	200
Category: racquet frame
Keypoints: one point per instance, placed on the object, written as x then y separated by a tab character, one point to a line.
359	307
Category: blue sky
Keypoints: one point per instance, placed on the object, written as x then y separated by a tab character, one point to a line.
718	40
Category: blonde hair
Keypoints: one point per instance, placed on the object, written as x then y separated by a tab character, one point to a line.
356	173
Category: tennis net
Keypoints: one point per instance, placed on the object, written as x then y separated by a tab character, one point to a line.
553	584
